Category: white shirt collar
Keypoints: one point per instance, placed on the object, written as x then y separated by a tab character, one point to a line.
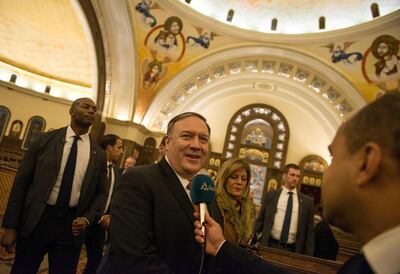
183	181
382	252
285	190
70	133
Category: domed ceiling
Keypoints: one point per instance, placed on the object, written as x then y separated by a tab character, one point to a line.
46	41
293	16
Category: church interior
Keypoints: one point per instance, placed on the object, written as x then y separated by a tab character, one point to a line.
273	79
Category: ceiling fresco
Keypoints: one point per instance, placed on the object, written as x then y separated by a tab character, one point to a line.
258	14
168	43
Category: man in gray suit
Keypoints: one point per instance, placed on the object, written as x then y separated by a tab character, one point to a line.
286	216
59	189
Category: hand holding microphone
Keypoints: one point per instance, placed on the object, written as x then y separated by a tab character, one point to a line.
202	193
215	237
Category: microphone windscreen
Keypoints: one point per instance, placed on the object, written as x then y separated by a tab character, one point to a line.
202	190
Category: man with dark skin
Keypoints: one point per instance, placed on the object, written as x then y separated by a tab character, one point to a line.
59	189
360	194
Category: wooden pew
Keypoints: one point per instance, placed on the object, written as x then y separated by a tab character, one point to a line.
298	263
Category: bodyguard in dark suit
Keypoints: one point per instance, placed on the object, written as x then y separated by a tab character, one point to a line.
96	233
287	225
59	189
152	214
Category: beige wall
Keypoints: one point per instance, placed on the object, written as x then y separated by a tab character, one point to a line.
24	104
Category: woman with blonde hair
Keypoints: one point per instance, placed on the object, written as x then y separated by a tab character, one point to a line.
235	202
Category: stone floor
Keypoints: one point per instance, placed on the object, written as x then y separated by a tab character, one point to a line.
6	263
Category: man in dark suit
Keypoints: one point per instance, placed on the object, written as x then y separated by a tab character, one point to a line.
152	215
96	233
360	194
325	244
361	187
286	218
59	189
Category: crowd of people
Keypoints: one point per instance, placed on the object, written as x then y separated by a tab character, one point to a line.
69	192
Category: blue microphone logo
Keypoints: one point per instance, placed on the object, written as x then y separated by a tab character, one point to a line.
202	190
207	187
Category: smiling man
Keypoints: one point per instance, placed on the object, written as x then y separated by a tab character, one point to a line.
59	189
151	214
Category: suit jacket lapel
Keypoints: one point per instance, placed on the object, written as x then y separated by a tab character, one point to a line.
89	169
275	202
60	142
300	217
175	187
271	211
117	175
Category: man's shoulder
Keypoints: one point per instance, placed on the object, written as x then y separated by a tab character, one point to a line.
54	132
48	136
149	170
305	196
143	177
273	193
269	196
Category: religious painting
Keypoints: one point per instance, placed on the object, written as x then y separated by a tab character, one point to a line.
16	129
4	118
340	53
381	65
314	164
213	174
257	181
203	38
254	154
153	71
272	185
257	132
35	127
166	42
147	155
145	7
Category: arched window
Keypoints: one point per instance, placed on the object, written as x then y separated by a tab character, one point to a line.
147	156
15	129
36	126
13	78
230	15
322	22
259	134
4	119
312	168
375	10
274	24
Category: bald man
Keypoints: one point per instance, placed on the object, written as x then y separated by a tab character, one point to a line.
60	188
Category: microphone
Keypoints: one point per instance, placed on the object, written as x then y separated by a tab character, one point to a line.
202	193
